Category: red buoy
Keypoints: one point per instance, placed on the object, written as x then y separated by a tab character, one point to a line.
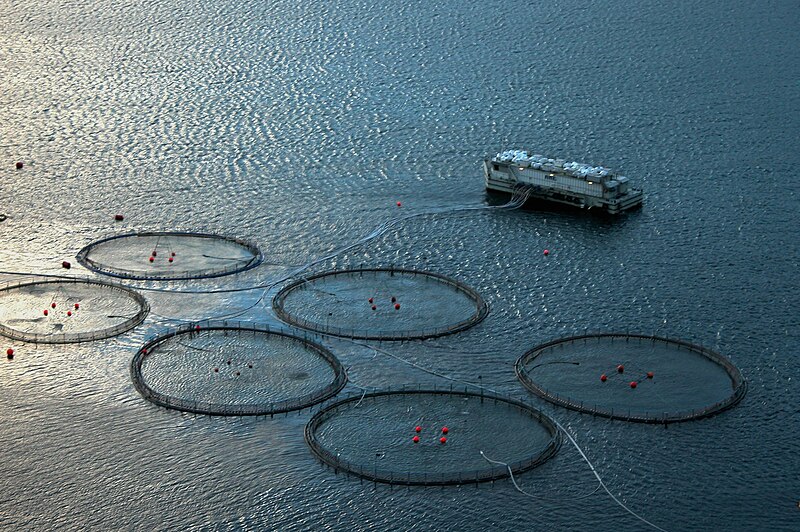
397	306
620	368
69	313
155	253
173	253
119	217
417	429
152	259
443	439
649	374
216	370
45	312
374	307
399	204
77	306
546	252
53	304
66	265
170	259
445	430
20	164
196	327
10	352
371	300
603	377
633	384
415	439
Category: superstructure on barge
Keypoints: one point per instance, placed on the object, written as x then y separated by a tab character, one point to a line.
557	180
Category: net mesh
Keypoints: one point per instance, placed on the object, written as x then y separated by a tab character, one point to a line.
68	310
377	303
372	436
169	256
632	377
235	369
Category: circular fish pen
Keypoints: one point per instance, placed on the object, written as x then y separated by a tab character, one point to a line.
60	311
431	437
235	369
380	304
632	377
162	256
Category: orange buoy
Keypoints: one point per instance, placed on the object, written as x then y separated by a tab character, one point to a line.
415	439
69	313
45	312
546	252
443	439
77	306
649	374
397	306
445	430
66	265
633	384
53	304
417	429
119	217
603	378
20	164
620	369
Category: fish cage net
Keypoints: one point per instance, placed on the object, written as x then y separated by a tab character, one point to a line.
632	377
380	303
169	256
396	437
64	311
235	369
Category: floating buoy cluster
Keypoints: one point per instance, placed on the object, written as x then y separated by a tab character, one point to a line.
154	254
53	306
632	384
371	301
229	362
418	429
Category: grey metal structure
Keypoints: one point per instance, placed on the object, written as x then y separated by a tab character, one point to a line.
559	181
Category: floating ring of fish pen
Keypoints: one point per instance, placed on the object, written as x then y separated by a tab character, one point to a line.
431	436
380	304
235	369
632	377
60	311
169	255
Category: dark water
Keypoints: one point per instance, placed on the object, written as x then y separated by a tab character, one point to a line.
298	125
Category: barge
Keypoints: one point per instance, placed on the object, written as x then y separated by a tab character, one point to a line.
556	180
